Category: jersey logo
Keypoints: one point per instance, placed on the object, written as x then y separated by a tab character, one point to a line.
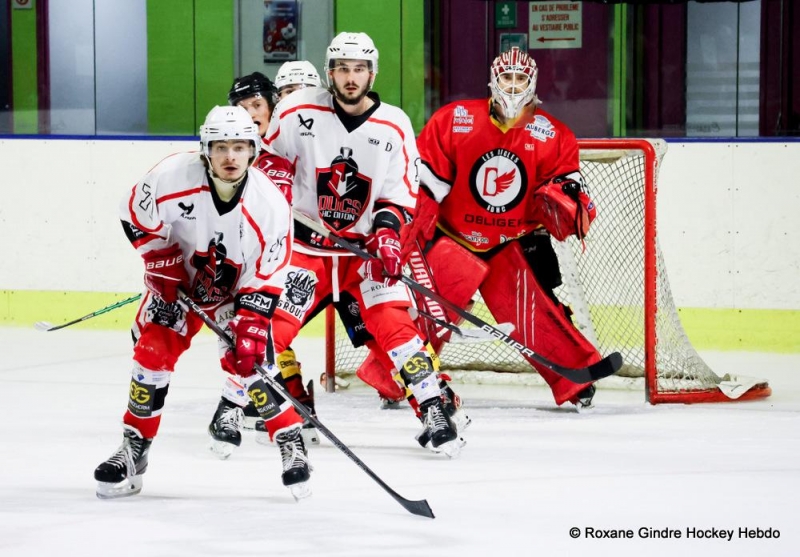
187	210
498	181
306	123
298	293
342	192
216	275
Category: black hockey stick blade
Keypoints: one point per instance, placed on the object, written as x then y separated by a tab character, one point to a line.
419	508
605	367
45	326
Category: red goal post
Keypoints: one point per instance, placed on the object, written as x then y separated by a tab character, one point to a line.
617	288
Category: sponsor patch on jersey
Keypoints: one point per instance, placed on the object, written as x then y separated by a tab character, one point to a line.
298	292
475	238
498	180
342	191
462	120
541	128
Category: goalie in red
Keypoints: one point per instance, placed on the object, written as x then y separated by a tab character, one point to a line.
506	177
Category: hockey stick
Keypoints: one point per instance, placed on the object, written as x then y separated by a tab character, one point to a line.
605	367
420	508
45	326
467	336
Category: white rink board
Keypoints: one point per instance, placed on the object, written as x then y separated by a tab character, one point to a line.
725	215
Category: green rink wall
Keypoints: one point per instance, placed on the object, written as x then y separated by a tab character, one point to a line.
749	330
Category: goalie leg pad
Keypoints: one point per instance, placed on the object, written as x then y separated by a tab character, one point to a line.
376	371
513	294
457	274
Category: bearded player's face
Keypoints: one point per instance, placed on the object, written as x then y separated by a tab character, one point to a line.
350	80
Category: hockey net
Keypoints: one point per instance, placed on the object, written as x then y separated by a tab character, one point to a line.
617	289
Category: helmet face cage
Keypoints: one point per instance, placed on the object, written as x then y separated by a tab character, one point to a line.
255	84
515	64
225	123
297	73
352	46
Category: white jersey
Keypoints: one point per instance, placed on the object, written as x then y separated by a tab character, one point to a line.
240	245
346	168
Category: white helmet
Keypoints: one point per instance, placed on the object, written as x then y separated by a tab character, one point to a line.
352	46
519	65
224	123
301	73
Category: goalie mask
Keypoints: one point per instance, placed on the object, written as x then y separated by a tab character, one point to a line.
352	46
225	123
513	83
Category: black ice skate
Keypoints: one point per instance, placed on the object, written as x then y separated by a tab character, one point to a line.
225	429
458	417
583	400
121	475
296	469
439	428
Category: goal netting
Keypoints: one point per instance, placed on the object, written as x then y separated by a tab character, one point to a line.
617	289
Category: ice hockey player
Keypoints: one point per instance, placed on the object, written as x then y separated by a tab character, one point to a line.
211	226
506	177
257	94
292	76
357	175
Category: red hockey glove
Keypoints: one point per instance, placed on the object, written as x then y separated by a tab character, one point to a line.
562	207
385	243
250	334
164	272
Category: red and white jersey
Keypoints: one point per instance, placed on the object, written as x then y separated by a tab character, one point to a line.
241	245
484	175
346	168
278	169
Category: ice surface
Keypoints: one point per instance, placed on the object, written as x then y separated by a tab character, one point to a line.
529	473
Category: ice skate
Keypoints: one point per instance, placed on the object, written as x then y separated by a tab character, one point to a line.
583	400
225	429
458	417
121	475
296	469
439	433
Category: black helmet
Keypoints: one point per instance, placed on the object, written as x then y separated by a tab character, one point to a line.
251	85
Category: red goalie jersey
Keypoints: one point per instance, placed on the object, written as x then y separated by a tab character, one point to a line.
489	200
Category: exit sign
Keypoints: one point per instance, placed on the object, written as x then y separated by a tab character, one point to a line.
505	15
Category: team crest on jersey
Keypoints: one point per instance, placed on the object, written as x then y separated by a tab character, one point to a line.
216	274
498	181
342	192
541	128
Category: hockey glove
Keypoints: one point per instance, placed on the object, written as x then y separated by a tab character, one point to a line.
385	243
250	334
563	208
164	272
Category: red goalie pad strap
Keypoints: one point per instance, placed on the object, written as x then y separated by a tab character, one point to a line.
512	294
563	209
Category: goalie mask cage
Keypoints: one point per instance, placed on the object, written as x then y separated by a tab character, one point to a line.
617	289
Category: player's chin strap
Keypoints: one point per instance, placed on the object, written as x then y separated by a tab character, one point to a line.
605	367
420	508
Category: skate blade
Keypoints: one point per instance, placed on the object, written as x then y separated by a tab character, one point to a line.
461	420
310	436
300	490
452	449
221	449
125	488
